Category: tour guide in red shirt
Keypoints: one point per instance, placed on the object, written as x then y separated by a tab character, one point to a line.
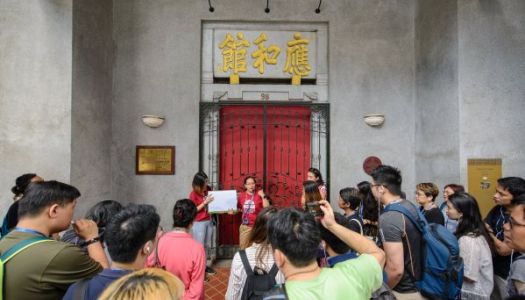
250	204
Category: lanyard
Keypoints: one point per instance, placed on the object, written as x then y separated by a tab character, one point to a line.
27	230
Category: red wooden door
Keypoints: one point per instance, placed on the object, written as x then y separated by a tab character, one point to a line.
271	143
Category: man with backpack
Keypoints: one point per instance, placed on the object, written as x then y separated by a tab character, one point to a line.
37	267
295	240
401	240
130	236
422	259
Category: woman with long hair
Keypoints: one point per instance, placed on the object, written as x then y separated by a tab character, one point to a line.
475	246
311	193
314	174
370	210
202	229
259	256
180	254
250	203
21	184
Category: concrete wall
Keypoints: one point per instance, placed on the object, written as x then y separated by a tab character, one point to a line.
157	71
35	91
437	103
92	80
491	85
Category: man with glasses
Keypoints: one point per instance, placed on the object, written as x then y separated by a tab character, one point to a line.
130	236
507	189
515	238
401	240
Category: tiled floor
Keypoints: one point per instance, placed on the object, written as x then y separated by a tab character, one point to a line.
215	288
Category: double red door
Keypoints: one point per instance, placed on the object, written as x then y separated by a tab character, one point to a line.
269	142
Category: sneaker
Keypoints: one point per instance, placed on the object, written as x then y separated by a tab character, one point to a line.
210	271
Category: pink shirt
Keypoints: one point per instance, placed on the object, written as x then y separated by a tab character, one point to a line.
183	256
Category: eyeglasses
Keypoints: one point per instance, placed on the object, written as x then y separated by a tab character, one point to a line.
513	222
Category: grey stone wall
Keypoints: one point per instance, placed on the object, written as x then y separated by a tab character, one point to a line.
92	69
437	102
35	91
492	83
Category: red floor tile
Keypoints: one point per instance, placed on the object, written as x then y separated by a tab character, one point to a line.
215	288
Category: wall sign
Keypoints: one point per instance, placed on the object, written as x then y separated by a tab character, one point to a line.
155	160
482	179
264	54
370	164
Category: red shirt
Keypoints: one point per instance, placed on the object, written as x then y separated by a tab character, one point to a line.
250	206
198	200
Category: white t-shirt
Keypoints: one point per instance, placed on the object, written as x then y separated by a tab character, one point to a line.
477	260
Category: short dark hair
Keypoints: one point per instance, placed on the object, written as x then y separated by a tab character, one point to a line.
351	197
389	177
129	230
21	183
514	185
40	195
331	239
296	235
184	212
103	211
520	200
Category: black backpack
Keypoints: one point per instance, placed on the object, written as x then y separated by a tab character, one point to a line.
258	281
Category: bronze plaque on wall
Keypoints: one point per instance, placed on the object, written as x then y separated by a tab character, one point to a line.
482	179
155	160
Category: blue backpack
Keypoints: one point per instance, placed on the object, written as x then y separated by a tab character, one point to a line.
442	275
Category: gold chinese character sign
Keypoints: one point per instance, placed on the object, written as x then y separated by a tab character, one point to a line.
253	54
155	160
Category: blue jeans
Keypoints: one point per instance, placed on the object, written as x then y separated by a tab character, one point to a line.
202	232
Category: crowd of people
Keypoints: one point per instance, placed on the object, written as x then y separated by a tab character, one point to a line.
376	248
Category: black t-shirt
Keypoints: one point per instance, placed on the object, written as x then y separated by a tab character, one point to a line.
395	227
355	223
433	215
496	217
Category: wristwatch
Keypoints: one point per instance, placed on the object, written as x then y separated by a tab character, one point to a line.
89	242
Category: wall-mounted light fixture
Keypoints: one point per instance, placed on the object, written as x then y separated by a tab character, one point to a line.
374	120
153	121
267	9
211	9
318	10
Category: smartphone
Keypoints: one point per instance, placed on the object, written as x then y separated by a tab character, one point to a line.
314	208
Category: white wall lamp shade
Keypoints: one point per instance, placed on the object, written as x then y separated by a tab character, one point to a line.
153	121
374	120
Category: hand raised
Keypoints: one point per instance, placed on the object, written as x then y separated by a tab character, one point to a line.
328	219
86	229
